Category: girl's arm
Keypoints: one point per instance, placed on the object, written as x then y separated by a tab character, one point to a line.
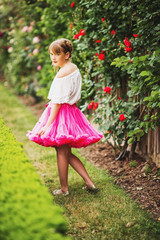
54	111
53	114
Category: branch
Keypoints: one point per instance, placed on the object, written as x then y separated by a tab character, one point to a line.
123	153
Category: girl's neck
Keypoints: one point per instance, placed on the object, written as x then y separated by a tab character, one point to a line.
65	64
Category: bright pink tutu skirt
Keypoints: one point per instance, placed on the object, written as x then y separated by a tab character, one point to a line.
70	127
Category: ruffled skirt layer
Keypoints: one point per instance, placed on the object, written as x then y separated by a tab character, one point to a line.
70	127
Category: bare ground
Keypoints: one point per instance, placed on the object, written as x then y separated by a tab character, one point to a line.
141	182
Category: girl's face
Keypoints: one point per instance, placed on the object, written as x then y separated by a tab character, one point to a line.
59	59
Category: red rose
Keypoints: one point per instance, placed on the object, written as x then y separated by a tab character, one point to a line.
72	4
71	25
119	98
122	118
82	32
118	44
131	61
107	89
127	42
98	41
89	106
135	35
76	36
109	131
101	56
128	49
113	32
103	19
96	54
103	51
95	106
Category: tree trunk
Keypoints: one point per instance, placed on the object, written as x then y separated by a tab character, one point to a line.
132	150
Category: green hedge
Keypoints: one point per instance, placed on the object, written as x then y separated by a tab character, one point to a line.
27	210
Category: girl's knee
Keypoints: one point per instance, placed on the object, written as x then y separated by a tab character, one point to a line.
64	150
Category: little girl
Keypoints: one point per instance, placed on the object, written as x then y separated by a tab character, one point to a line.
62	125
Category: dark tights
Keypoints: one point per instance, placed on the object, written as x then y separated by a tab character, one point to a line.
65	157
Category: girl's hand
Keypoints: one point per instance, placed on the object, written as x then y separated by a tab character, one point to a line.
42	131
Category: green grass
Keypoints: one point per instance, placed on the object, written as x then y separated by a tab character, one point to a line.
109	214
133	164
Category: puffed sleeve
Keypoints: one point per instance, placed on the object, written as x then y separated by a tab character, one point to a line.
66	89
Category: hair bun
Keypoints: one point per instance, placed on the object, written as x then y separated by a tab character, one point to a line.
69	45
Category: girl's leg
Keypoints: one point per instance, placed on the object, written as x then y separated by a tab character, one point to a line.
65	157
78	166
63	153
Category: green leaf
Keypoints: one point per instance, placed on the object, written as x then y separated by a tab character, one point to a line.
131	140
147	79
143	58
95	74
146	99
138	130
146	117
145	73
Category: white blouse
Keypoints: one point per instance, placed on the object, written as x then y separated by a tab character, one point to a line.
66	89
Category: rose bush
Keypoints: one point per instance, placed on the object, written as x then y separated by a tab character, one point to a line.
130	40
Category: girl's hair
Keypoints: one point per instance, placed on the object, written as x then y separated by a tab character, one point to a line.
61	45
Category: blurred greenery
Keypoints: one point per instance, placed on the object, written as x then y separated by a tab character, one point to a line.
26	208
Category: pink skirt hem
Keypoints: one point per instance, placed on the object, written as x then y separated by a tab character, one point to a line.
70	127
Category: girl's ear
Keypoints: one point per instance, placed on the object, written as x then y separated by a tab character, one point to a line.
67	55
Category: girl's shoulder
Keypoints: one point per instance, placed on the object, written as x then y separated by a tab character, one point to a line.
63	72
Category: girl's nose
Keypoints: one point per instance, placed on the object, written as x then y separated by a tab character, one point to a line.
53	57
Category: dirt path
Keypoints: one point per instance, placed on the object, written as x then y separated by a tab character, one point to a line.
142	182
